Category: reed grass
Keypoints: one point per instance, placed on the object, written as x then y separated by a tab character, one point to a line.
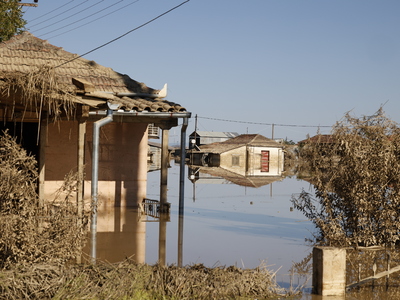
129	280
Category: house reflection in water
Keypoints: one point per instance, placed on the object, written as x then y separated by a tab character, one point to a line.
121	232
247	160
218	175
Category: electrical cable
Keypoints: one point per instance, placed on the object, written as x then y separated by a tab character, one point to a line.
61	13
268	124
84	24
68	17
57	8
126	33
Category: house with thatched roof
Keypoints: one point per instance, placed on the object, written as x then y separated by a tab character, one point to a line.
78	116
245	155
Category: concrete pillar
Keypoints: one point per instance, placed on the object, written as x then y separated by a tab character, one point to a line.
164	168
329	271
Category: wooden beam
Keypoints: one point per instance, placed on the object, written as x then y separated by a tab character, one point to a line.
28	4
84	85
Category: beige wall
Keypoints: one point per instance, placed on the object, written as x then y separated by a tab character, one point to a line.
249	161
122	160
226	160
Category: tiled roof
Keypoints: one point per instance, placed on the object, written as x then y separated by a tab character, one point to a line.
26	53
256	140
319	138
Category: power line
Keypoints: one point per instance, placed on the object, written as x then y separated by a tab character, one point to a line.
95	13
70	16
267	124
126	33
57	8
65	11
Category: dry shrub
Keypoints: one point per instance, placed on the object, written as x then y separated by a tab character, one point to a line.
128	280
200	282
356	179
32	231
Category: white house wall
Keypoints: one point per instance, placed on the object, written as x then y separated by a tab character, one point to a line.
276	158
247	161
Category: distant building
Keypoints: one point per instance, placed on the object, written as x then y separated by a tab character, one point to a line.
246	155
318	139
198	138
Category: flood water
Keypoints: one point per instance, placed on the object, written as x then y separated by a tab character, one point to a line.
228	224
224	224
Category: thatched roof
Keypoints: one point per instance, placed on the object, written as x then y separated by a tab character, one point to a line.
77	79
255	140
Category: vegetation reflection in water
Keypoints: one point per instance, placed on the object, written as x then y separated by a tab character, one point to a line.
355	174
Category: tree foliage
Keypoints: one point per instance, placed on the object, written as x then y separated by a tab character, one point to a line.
356	179
11	19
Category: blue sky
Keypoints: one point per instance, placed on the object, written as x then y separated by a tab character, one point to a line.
247	62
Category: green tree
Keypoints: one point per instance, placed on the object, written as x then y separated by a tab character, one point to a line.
11	21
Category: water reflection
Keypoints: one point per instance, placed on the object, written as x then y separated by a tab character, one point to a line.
228	224
121	234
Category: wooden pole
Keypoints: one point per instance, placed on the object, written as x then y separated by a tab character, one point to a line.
42	158
164	168
83	115
163	197
28	4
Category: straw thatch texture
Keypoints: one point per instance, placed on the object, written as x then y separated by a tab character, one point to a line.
37	76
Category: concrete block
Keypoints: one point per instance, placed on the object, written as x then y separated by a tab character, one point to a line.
329	271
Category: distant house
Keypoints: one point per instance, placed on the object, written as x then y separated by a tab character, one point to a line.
198	138
319	138
246	155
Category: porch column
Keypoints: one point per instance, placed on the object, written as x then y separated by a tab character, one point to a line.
42	157
162	237
164	168
182	191
83	115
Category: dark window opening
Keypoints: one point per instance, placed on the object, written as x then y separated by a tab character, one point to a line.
235	160
26	135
